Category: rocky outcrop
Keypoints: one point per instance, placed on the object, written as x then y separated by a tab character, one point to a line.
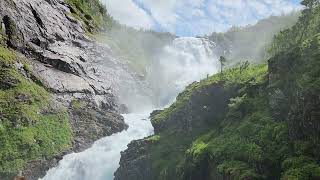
91	123
135	162
185	120
191	115
70	65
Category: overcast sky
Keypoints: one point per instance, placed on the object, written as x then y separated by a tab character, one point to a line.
195	17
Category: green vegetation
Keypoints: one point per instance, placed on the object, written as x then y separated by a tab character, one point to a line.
93	13
154	138
78	104
270	125
231	77
170	152
30	127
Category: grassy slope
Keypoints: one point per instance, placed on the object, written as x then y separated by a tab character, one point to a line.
175	158
249	143
92	13
30	128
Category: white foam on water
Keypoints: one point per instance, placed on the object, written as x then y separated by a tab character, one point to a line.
184	61
102	159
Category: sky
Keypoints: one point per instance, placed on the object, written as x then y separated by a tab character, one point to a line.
195	17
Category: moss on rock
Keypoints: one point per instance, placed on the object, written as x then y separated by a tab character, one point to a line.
31	127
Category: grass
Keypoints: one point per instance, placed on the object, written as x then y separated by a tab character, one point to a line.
171	153
92	13
247	144
233	76
154	138
30	127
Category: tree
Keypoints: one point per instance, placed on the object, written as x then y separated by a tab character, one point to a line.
222	61
244	66
310	3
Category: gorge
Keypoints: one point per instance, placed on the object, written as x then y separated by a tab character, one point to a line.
84	97
184	61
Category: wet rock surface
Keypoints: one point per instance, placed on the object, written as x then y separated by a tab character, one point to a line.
90	123
69	65
135	162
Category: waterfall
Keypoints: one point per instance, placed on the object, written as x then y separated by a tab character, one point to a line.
178	64
186	60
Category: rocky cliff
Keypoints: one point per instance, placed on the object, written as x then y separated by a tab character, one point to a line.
54	50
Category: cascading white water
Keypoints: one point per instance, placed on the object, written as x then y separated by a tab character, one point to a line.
102	159
185	61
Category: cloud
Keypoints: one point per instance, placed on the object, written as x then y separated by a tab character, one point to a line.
196	17
128	13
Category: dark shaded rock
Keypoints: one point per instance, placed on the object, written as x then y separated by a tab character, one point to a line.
37	17
38	168
211	102
15	39
123	109
135	163
90	123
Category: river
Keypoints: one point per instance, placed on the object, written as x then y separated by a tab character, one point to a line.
184	61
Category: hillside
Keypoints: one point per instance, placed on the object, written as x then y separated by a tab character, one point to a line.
251	122
251	42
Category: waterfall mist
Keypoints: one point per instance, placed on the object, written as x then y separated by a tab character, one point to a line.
176	65
179	64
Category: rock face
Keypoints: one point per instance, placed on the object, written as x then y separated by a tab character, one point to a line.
64	58
186	120
135	162
91	123
69	65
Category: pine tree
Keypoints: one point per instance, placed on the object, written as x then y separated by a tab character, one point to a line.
222	61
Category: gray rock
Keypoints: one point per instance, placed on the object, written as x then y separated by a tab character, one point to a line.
69	65
135	163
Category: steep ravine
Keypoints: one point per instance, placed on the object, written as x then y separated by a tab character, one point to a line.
100	161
